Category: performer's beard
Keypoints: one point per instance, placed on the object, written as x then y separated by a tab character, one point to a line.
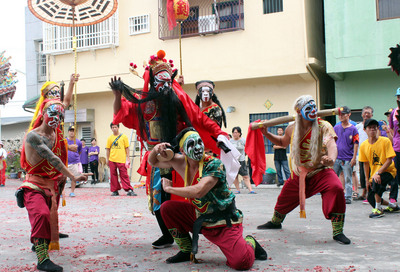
295	147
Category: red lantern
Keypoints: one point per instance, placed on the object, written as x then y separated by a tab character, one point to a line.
181	9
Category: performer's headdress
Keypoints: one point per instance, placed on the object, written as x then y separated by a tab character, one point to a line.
167	102
42	110
46	88
208	83
298	105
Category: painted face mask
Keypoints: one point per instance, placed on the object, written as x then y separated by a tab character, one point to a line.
53	93
205	94
309	111
162	81
194	147
54	115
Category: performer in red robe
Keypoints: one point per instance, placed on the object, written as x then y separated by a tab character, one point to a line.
158	114
43	157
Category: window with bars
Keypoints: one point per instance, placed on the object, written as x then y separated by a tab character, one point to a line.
387	9
266	116
41	62
86	133
205	17
272	6
58	39
139	24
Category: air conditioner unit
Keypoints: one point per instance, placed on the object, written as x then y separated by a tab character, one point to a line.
208	24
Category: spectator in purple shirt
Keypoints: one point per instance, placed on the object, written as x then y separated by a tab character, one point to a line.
94	151
394	127
74	158
85	157
347	146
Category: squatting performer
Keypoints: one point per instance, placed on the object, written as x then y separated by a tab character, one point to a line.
313	153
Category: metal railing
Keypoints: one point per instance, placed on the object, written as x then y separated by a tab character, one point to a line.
58	40
205	17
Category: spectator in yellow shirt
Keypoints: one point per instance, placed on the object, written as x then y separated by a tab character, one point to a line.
377	155
117	149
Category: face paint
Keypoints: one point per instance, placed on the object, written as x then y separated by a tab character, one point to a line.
162	81
205	94
309	111
194	147
54	115
53	93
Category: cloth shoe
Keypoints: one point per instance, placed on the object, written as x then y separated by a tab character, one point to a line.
365	202
392	210
72	194
131	193
348	201
237	192
341	239
48	265
270	225
259	252
162	242
62	235
392	200
360	198
376	213
115	193
252	192
179	258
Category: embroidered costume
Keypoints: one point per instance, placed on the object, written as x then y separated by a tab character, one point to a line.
309	176
158	114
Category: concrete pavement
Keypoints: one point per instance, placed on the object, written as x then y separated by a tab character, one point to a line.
115	234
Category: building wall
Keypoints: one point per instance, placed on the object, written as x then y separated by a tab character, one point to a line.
375	88
13	131
33	33
355	40
266	61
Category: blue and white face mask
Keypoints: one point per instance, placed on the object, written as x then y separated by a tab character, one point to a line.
309	111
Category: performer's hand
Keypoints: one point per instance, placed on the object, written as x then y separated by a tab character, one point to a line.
74	78
113	85
326	161
166	183
82	177
181	80
160	149
73	147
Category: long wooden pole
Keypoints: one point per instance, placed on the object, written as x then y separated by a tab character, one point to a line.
74	46
180	45
290	118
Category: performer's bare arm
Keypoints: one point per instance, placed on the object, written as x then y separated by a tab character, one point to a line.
283	140
194	191
117	96
68	96
177	162
38	147
329	160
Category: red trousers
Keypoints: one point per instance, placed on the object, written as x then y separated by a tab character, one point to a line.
3	173
325	182
123	174
239	254
38	207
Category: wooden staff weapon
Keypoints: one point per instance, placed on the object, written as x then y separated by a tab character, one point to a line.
290	118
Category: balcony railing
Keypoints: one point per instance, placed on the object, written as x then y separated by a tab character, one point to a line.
205	17
58	40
